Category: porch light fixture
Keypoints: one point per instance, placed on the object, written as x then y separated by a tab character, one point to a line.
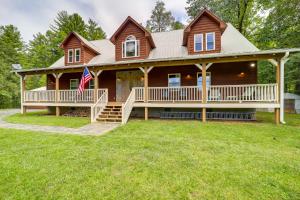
252	65
188	76
241	75
142	78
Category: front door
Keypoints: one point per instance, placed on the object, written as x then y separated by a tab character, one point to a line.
125	81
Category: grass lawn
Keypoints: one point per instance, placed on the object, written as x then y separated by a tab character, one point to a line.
154	160
43	118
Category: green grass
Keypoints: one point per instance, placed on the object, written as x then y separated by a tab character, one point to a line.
154	160
290	119
42	118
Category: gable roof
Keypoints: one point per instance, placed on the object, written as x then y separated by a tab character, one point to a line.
123	25
169	46
84	41
208	13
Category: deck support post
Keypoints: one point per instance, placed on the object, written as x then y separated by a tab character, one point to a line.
57	77
22	92
146	91
204	91
277	110
96	84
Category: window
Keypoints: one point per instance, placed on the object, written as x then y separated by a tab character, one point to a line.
210	41
198	42
174	80
91	84
199	79
130	48
70	55
74	84
77	55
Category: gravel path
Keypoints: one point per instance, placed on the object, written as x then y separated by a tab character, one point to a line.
96	128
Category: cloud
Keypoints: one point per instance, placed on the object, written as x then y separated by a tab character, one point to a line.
36	16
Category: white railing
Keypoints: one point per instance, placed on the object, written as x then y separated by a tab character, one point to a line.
40	96
97	108
127	107
64	96
139	94
240	93
184	93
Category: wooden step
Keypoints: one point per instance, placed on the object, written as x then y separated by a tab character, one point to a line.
111	113
109	119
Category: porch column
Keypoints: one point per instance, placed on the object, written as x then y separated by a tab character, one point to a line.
204	91
146	91
57	77
96	84
277	110
22	93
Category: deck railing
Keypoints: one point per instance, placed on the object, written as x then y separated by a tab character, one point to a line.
64	96
243	93
127	107
97	108
215	93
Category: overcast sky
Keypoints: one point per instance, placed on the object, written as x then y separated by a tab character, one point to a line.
33	16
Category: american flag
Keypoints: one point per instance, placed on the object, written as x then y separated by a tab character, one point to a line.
86	77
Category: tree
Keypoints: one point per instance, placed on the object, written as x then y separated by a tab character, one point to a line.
241	13
161	19
177	25
94	31
11	51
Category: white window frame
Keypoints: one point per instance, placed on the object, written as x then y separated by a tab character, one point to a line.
136	45
207	74
214	36
70	50
195	35
74	79
76	54
92	81
176	75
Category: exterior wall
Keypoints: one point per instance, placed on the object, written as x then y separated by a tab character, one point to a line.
132	29
221	74
74	43
204	25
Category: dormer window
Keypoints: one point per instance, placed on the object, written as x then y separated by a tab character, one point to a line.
77	55
198	42
130	48
210	41
70	55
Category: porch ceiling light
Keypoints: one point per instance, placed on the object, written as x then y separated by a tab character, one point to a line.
252	65
188	76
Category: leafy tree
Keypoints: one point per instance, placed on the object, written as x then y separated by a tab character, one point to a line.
161	19
241	13
11	51
177	25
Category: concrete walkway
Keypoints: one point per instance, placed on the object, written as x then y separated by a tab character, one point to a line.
96	128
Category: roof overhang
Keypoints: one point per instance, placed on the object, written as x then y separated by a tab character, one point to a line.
207	13
123	25
189	60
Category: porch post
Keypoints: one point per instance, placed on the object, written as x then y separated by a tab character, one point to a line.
277	110
204	91
96	85
146	91
22	93
57	108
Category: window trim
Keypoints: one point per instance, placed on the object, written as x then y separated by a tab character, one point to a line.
195	50
77	80
70	50
136	45
214	36
76	54
179	79
206	78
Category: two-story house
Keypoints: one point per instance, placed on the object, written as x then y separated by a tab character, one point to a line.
207	70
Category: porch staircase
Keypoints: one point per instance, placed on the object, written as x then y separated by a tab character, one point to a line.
111	113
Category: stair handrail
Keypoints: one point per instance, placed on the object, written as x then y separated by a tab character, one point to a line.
98	107
127	106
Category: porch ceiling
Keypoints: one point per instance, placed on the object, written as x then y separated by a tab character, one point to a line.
189	60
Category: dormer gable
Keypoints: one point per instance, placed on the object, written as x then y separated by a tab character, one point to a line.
78	50
132	41
203	34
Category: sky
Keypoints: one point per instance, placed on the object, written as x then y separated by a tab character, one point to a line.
33	16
